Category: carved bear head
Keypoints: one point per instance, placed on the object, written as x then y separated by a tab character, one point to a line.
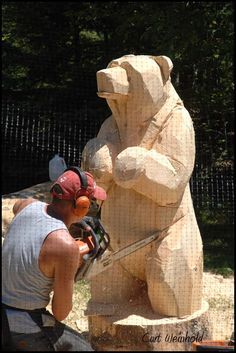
135	87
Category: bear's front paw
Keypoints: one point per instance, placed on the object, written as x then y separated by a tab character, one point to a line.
97	158
129	166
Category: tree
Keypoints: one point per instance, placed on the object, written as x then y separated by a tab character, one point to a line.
56	45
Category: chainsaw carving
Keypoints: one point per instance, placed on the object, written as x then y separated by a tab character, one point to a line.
144	156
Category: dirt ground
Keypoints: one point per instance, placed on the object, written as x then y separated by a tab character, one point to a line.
218	292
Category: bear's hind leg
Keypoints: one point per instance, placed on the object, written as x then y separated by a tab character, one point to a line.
174	271
115	285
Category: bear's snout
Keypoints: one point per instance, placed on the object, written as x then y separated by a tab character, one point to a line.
112	83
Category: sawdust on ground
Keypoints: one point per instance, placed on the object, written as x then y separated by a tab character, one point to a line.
218	292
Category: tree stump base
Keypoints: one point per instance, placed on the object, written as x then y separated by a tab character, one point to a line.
137	328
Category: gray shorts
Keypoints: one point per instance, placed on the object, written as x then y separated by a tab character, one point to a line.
54	338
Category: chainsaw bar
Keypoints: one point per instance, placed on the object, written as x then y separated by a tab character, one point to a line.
98	265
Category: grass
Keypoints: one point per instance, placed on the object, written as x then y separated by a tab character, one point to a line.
218	245
82	287
221	302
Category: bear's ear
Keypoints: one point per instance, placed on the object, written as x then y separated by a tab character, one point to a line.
165	64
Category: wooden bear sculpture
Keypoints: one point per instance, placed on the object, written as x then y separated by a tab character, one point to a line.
144	156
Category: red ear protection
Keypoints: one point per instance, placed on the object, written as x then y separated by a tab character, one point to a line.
82	205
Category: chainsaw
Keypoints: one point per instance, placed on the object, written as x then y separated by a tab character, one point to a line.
94	245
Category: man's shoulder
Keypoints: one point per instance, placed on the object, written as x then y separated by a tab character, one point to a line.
60	243
57	250
22	203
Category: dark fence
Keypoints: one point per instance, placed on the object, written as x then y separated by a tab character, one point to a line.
213	194
34	129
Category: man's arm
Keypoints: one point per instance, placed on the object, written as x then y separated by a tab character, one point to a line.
65	259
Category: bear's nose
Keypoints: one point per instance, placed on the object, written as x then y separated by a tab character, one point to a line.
112	83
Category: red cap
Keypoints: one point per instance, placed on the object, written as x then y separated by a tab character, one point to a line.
71	188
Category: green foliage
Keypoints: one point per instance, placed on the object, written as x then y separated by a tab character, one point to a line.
48	45
218	248
216	216
218	264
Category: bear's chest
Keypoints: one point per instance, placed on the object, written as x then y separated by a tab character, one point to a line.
129	216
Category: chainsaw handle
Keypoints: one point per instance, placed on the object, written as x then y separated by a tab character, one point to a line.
89	229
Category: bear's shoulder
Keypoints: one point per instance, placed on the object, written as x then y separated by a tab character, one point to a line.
109	129
180	117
